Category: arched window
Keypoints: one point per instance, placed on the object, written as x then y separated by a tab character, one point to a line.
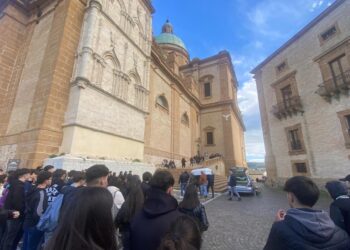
162	102
184	119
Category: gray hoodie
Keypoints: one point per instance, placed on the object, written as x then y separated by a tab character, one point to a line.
319	226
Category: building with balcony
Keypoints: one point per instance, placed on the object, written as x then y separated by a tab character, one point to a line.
303	91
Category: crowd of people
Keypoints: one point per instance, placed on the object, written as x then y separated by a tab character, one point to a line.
95	209
203	182
51	209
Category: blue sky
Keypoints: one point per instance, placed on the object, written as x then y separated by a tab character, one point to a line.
249	29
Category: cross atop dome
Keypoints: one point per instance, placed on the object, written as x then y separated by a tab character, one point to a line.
167	27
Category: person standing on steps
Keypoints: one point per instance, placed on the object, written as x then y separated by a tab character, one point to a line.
183	162
232	186
183	181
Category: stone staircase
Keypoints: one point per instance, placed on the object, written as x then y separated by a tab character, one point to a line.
220	182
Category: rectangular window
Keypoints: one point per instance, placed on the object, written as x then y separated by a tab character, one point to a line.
344	118
301	168
287	95
294	139
329	33
337	70
347	120
296	144
207	89
210	138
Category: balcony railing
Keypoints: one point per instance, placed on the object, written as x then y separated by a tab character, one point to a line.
288	107
335	86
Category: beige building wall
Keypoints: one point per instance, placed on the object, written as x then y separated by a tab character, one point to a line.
110	87
326	155
34	90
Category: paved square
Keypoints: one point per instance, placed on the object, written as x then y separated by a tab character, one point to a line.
245	225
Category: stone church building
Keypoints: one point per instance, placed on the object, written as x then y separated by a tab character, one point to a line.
87	78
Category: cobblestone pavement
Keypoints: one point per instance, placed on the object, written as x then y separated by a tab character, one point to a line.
245	225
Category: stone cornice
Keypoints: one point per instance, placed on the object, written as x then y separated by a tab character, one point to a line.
149	5
346	40
224	56
27	6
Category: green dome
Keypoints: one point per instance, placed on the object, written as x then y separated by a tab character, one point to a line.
169	38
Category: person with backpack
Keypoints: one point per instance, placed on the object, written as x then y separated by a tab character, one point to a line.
158	213
49	220
87	223
36	204
58	182
15	200
118	198
340	208
191	206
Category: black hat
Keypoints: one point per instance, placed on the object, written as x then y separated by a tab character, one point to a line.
347	178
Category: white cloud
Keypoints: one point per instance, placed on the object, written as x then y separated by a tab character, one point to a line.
249	105
254	142
248	98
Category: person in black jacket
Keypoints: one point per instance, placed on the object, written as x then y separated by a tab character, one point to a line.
183	181
302	227
191	206
36	204
158	213
15	201
340	207
146	178
132	205
232	183
211	178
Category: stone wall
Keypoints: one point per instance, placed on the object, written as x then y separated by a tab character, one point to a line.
110	87
40	93
326	154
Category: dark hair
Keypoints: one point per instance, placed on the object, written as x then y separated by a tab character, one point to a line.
71	173
86	223
147	176
191	199
115	182
20	172
43	176
162	179
184	235
96	171
135	199
336	189
304	189
48	167
58	173
77	176
2	178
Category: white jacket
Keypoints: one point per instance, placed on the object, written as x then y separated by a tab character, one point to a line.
118	198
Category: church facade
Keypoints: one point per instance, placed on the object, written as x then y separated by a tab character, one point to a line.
87	78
